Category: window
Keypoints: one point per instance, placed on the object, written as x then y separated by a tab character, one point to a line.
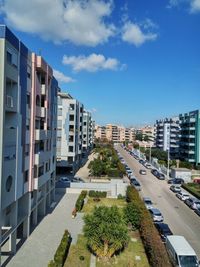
9	183
26	150
9	57
59	123
60	112
38	101
71	106
71	117
40	171
26	176
71	148
29	72
28	100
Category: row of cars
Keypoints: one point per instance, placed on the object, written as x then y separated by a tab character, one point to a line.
190	201
179	250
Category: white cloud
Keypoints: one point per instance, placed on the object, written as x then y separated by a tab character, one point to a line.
81	22
61	77
132	33
195	6
91	63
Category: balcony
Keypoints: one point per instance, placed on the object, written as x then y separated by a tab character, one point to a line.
11	104
42	134
43	112
43	89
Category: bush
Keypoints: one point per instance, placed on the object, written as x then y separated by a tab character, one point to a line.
97	194
153	245
120	196
62	251
80	201
194	189
133	215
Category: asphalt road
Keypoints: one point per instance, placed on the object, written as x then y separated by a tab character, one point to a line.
180	218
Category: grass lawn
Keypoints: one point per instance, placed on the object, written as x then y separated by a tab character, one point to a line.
80	249
128	257
108	202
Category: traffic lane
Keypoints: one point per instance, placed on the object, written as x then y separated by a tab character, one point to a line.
181	219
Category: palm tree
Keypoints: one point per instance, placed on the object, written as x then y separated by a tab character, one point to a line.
106	231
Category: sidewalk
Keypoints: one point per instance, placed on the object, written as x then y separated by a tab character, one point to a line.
83	172
40	247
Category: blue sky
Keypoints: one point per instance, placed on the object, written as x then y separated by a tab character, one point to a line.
130	62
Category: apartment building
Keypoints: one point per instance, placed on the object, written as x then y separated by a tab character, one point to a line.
167	135
69	133
28	99
190	137
147	132
114	133
88	133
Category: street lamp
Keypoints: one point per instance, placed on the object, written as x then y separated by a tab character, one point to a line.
150	153
168	159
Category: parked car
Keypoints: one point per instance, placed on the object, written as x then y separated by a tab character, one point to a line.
141	161
192	202
148	166
156	215
182	195
163	230
136	184
154	172
64	179
133	180
77	179
148	203
175	188
143	172
160	176
197	210
175	181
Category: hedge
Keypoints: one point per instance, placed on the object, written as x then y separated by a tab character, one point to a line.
62	251
97	194
114	173
153	245
191	189
80	201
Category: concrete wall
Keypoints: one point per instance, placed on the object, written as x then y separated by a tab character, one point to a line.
114	187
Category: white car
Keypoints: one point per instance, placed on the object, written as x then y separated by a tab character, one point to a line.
182	195
148	203
64	180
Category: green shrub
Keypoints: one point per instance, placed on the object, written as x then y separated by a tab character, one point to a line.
97	194
62	251
120	196
194	189
133	215
153	245
80	201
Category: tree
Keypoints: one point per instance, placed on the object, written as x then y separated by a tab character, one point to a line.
106	231
133	215
139	136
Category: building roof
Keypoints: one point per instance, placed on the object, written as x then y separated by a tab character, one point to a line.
181	245
181	169
65	95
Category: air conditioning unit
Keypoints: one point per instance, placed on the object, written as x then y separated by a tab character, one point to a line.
9	101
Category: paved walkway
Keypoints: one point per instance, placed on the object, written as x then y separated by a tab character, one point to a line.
83	172
40	247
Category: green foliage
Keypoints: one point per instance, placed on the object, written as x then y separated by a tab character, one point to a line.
133	215
193	188
139	136
154	247
80	201
97	194
120	196
106	231
185	164
107	163
62	251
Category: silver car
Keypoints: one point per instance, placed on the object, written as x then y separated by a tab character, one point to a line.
148	203
156	215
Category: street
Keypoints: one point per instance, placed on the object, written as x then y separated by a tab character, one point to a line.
180	218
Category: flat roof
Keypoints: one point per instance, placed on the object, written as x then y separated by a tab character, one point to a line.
181	245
